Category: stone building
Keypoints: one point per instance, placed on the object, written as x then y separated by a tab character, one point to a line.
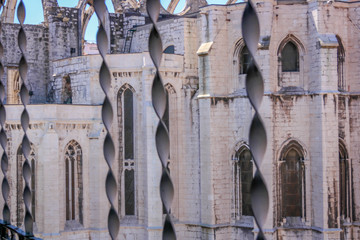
309	57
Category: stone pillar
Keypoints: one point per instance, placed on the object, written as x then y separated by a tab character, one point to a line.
152	162
51	200
97	170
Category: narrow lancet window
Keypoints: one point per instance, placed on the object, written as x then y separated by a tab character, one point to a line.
73	181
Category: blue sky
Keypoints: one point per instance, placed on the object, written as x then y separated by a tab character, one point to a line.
34	13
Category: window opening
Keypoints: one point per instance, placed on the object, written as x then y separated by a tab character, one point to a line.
170	49
243	178
244	60
73	181
292	173
290	58
67	92
340	65
345	200
127	156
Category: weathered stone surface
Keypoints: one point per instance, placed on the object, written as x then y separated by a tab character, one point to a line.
209	118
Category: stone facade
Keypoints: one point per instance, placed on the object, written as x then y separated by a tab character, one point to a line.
311	113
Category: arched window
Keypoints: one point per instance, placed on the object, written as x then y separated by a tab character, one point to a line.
67	91
244	60
73	182
340	65
20	209
292	177
345	184
169	119
170	49
127	151
243	173
290	58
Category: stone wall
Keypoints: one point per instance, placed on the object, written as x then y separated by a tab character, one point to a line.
36	56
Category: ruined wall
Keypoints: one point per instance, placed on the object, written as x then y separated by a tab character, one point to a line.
36	56
64	39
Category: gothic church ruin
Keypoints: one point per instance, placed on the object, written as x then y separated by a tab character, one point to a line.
309	56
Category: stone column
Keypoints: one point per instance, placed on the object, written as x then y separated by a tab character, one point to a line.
50	200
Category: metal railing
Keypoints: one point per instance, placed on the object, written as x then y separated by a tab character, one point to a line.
10	232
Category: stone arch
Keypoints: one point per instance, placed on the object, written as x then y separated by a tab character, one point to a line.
240	61
86	11
340	64
8	13
20	207
242	177
291	182
291	38
345	184
296	75
73	157
127	156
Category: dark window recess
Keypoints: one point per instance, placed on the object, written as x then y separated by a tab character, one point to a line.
344	184
67	179
166	113
170	49
67	92
246	174
291	172
244	60
129	124
33	187
129	192
72	50
74	190
290	58
340	65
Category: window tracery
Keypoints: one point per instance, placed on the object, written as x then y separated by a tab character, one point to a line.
127	163
73	181
292	182
344	184
243	173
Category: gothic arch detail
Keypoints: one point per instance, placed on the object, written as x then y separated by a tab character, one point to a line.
345	184
341	65
292	185
290	57
74	182
240	60
127	163
242	178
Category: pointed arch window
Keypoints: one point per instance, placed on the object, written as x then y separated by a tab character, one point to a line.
127	162
169	120
290	58
243	174
345	184
244	60
73	181
20	210
340	65
292	176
